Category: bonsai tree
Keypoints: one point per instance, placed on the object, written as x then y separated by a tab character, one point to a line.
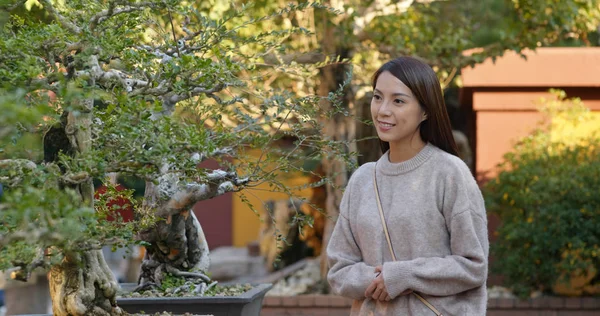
149	89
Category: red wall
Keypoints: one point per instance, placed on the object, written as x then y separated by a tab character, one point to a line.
215	216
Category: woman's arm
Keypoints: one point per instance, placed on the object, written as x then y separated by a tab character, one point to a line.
465	269
348	275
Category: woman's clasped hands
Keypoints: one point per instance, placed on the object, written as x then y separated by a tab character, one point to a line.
377	290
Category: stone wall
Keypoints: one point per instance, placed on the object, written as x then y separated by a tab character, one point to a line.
329	305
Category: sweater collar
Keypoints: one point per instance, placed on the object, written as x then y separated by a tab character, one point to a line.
386	167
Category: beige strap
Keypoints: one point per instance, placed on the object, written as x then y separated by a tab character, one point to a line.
387	236
383	223
431	307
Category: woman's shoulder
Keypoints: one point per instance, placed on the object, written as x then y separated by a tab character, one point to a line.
362	174
449	161
452	166
365	168
457	175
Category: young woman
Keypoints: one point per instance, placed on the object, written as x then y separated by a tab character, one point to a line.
430	202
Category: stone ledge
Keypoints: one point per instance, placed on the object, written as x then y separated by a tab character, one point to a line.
307	300
541	303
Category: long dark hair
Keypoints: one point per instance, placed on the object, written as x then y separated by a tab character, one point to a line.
425	86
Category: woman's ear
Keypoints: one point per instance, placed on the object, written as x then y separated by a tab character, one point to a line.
424	117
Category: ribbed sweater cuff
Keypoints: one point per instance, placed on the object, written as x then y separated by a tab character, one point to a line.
395	278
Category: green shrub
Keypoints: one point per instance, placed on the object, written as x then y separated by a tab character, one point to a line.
547	196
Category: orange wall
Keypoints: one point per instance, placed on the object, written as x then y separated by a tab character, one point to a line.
496	134
504	96
498	130
544	67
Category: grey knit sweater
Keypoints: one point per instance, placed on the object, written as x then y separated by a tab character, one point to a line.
438	227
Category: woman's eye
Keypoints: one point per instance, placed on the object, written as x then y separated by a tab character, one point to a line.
376	97
398	101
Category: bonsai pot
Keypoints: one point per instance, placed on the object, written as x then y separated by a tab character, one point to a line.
248	303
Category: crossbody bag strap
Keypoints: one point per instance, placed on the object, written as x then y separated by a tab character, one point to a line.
389	241
383	223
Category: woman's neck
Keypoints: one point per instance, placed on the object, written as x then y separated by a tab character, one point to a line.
404	151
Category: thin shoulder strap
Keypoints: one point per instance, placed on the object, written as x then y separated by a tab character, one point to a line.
383	223
389	241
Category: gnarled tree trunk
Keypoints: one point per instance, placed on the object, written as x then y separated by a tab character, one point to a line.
177	244
83	284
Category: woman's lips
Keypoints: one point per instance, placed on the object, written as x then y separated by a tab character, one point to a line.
385	126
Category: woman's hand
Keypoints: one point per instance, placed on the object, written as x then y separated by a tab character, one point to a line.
376	289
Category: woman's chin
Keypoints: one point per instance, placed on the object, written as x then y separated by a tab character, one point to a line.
385	137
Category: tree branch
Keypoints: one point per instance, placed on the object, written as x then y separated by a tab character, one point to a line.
110	76
75	178
87	245
225	103
131	167
380	8
174	98
61	19
301	58
166	53
14	6
45	84
377	8
173	31
178	273
141	87
111	11
183	197
13	170
156	51
103	14
171	99
161	89
30	234
199	157
22	271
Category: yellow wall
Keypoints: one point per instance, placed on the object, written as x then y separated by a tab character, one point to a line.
246	224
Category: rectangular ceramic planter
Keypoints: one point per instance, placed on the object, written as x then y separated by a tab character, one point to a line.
246	304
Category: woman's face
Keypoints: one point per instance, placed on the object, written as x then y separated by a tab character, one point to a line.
395	111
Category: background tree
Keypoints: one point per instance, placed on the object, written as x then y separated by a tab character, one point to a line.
364	34
439	32
147	89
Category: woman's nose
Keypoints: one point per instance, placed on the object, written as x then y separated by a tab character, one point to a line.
384	109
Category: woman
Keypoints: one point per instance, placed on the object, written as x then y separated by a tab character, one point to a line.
432	206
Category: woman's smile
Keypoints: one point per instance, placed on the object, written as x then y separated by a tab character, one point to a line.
384	126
